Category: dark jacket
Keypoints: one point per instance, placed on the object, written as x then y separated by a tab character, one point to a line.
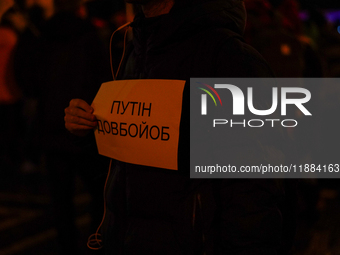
160	211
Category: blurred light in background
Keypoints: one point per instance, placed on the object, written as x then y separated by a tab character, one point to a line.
331	15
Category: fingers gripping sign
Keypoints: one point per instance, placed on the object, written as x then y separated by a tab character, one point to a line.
79	118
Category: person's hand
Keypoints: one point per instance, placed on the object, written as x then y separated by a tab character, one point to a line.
79	119
4	6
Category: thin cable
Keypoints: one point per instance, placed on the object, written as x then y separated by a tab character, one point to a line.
94	242
121	60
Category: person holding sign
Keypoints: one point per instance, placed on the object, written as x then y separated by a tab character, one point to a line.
152	206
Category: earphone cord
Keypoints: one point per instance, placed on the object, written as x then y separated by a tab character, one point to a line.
95	242
121	60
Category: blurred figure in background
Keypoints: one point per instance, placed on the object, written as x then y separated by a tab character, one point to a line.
63	59
11	130
4	6
326	149
277	34
276	31
327	40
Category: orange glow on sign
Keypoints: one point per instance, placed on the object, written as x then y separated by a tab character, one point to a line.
138	121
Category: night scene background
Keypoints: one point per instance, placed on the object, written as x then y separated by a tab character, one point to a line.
65	44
